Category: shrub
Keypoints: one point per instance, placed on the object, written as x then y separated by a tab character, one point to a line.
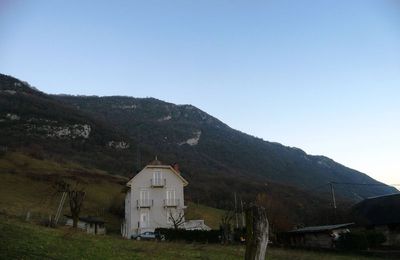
353	241
361	240
117	206
202	236
375	238
3	150
239	233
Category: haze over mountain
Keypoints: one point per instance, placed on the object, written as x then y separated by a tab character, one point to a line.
121	134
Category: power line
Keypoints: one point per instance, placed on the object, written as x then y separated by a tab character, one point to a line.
363	184
350	183
317	187
332	189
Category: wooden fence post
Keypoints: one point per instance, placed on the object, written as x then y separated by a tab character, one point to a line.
256	233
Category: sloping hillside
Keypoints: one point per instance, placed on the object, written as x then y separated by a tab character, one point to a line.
208	148
120	135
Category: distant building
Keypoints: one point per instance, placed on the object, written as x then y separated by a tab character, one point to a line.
381	214
154	200
316	236
92	225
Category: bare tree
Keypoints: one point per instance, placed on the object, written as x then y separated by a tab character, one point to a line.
225	225
76	196
177	219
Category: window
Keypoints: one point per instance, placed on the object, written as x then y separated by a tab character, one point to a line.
157	178
144	197
171	197
144	219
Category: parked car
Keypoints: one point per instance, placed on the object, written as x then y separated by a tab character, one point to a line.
145	236
149	236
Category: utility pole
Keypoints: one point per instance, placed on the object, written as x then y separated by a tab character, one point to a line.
243	221
236	216
333	198
138	154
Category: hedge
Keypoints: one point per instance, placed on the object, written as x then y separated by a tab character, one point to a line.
361	240
202	236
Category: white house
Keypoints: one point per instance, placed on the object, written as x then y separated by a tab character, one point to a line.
155	199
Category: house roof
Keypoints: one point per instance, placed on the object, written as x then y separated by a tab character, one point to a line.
382	210
320	228
155	162
154	165
89	219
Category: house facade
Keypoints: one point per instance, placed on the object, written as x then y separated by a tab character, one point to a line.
155	199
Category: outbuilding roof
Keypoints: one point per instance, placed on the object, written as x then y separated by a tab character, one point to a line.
89	219
320	228
196	224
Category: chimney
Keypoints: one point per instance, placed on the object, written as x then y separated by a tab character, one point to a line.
176	167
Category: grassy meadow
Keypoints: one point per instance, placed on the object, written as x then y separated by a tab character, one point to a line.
21	240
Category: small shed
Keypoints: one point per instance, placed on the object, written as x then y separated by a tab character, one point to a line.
92	225
315	236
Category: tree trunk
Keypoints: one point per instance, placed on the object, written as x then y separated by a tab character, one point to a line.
76	199
256	233
75	219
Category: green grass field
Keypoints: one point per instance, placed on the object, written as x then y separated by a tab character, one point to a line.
21	240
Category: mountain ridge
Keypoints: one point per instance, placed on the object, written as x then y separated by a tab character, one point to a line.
323	160
129	131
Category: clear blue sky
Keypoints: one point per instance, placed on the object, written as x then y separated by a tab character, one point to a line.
320	75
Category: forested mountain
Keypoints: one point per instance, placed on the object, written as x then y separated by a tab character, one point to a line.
121	134
207	147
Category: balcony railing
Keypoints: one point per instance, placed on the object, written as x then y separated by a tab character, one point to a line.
158	182
171	202
144	203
